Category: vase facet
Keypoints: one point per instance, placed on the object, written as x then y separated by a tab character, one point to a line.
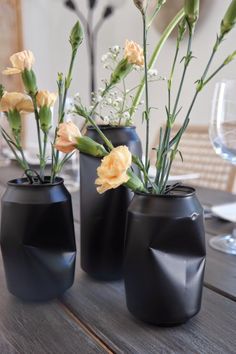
165	257
103	217
37	239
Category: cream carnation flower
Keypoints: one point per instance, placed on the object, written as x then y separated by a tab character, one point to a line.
134	53
16	100
46	98
112	172
67	136
20	61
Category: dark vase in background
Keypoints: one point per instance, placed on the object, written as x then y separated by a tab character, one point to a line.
164	257
37	239
103	217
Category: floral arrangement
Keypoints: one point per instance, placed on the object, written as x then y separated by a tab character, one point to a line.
116	165
113	106
15	104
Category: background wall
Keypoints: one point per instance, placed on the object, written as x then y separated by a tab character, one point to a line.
47	23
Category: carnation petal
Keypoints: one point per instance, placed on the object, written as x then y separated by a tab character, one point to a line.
11	71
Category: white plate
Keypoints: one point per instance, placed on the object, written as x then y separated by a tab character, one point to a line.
225	211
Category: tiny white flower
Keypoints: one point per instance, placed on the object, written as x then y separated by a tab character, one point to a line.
106	120
137	68
104	58
76	96
126	115
115	49
119	100
152	72
115	104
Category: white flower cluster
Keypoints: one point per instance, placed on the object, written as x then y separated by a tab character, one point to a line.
110	59
114	107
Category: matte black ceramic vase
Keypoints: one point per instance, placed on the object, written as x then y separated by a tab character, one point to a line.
103	217
37	239
165	257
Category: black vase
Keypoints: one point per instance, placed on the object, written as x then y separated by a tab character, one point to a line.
165	257
103	217
37	239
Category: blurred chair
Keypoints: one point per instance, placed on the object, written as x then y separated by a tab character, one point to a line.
200	158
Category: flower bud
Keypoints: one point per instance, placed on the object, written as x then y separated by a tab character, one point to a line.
134	182
88	146
121	71
191	8
229	19
76	36
45	118
140	4
14	120
29	80
230	58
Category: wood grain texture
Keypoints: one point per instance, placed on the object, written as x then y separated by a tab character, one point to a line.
99	312
40	328
102	307
220	272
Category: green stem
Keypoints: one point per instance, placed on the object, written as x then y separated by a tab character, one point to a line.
155	55
146	92
22	163
171	76
171	116
186	121
213	74
38	133
103	137
62	102
45	141
186	64
123	103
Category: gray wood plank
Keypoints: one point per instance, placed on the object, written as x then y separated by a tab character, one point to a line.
102	306
214	197
220	271
40	328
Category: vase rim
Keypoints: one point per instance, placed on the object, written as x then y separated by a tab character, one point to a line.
189	192
107	127
24	182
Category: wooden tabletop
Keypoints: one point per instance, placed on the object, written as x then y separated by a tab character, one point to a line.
92	316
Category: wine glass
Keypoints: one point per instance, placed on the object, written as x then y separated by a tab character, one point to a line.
222	132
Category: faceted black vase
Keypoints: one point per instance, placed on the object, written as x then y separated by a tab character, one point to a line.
103	217
37	239
165	257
